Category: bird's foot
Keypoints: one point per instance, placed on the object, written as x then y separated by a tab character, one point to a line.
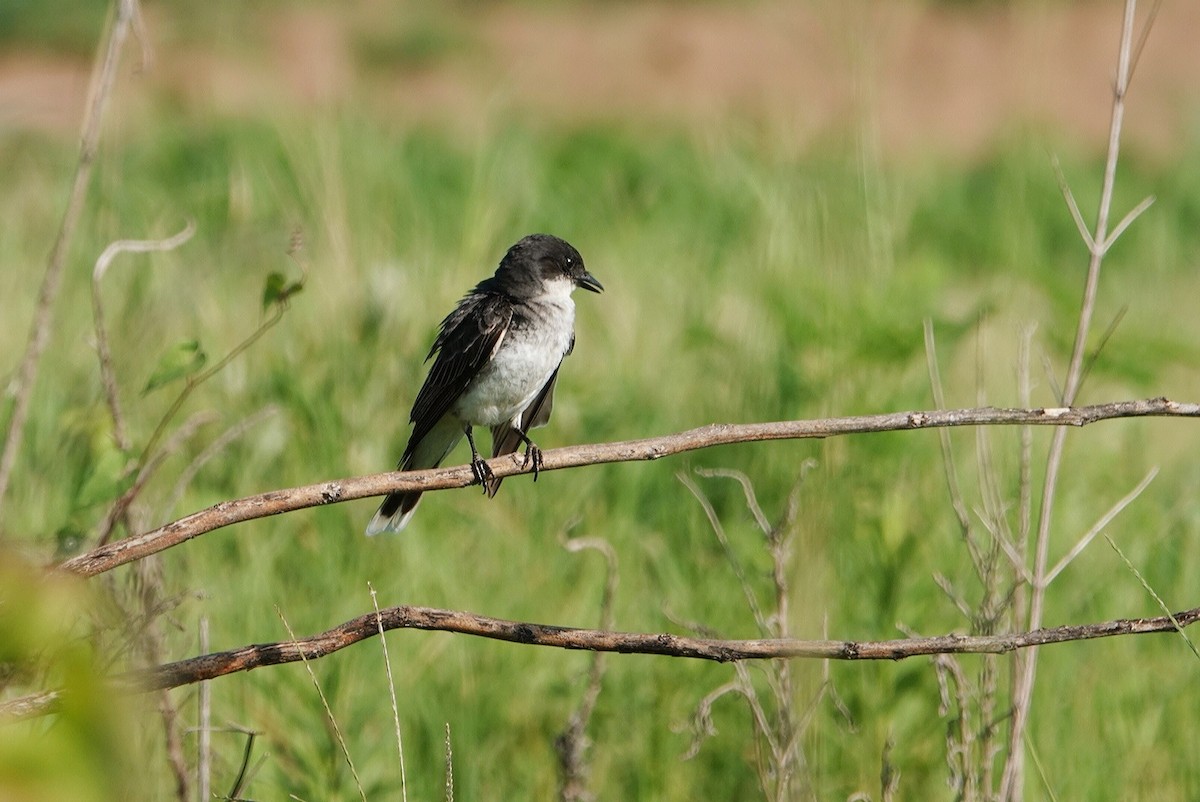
533	456
483	474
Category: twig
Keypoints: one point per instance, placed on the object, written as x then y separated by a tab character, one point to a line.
135	547
198	379
39	334
124	502
1099	526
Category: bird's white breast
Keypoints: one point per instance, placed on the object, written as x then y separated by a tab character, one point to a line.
523	361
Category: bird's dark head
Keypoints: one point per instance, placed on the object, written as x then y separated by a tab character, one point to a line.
541	264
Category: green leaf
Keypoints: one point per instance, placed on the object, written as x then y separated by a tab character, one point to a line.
107	477
278	290
183	359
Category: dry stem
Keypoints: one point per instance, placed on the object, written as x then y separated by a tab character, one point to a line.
1098	241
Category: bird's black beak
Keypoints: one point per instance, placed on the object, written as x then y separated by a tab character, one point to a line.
589	283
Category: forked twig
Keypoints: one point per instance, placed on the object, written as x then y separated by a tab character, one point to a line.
1012	781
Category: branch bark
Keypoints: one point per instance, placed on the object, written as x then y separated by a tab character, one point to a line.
219	664
111	555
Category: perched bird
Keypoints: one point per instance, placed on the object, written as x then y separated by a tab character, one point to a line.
498	355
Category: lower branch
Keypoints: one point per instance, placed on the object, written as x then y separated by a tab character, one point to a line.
210	666
135	547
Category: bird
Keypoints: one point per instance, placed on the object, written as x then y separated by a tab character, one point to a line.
497	359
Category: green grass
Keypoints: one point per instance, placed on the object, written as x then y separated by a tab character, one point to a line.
746	281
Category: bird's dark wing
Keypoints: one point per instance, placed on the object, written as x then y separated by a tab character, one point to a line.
468	338
505	440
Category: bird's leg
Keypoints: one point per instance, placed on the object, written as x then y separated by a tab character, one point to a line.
478	466
533	454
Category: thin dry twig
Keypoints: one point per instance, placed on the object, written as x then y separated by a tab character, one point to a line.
135	547
103	78
121	506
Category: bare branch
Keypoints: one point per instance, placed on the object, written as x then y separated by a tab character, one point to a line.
724	651
135	547
211	666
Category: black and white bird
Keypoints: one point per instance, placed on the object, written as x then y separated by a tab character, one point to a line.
498	355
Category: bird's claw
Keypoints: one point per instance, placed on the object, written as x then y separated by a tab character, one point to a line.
481	471
533	456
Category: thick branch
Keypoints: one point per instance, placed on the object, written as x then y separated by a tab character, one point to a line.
110	555
210	666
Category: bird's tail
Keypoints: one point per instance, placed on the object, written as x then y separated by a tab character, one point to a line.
394	513
397	508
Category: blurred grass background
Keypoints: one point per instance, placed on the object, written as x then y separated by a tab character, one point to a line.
752	274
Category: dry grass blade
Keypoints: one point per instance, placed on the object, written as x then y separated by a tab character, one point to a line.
734	563
328	711
387	667
1162	605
